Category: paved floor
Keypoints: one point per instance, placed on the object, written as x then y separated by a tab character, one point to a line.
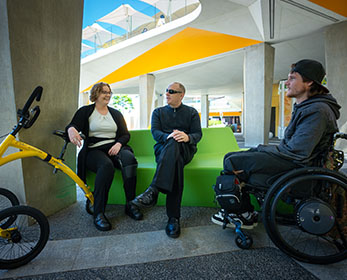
76	250
141	250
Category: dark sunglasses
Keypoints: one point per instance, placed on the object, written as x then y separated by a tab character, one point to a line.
171	91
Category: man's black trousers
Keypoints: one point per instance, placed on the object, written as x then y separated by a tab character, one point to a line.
171	157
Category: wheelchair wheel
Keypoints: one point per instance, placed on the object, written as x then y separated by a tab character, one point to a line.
7	199
25	238
305	216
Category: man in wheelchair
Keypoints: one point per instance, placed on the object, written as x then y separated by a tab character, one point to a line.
307	137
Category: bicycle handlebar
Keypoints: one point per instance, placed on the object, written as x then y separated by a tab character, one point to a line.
33	115
28	117
35	94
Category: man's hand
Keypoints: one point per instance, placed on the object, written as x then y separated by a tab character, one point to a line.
74	136
179	136
115	149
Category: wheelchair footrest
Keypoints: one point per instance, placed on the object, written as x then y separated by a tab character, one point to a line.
243	240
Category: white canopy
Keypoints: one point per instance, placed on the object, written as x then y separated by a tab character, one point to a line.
168	7
85	47
126	17
97	34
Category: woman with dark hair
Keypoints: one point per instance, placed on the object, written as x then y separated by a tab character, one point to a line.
104	149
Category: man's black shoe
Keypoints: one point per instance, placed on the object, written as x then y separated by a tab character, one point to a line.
133	211
147	199
173	228
101	223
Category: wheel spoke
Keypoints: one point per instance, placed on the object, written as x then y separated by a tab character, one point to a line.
28	235
310	230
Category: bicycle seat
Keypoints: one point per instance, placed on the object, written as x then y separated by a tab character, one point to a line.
62	134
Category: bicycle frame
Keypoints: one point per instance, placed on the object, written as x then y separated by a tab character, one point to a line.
27	150
6	233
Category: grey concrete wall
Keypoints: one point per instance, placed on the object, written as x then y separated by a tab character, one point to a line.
258	79
11	174
336	68
45	39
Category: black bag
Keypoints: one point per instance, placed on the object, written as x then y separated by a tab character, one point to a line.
228	192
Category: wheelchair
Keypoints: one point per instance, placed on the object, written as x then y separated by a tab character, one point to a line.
304	212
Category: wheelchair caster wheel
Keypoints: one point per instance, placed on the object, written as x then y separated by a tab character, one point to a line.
244	242
89	208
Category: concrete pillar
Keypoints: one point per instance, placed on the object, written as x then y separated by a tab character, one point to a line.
83	99
146	86
336	68
44	49
205	110
258	80
160	99
11	174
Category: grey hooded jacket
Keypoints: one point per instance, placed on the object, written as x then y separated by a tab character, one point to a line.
310	131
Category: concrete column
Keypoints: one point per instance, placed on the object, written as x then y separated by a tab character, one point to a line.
11	174
205	110
336	68
160	99
44	49
83	99
146	85
258	80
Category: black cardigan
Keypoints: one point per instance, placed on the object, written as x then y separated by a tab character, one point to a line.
80	121
166	119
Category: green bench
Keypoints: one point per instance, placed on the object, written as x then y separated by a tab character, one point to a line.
199	175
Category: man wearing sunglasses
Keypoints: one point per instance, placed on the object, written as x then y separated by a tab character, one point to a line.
176	129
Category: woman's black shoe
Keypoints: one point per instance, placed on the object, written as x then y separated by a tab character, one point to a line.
101	222
133	211
173	228
147	199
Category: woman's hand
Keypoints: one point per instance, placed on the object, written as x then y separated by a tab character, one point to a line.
115	149
74	136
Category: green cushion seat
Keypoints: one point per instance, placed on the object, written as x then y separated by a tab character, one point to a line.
199	175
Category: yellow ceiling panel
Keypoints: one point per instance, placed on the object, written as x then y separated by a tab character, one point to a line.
337	6
188	45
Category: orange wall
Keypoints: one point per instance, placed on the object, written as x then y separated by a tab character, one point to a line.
337	6
187	45
275	103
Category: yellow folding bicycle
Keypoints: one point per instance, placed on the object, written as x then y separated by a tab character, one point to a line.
24	230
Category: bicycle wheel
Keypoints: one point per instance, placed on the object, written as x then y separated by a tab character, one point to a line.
306	217
7	199
25	238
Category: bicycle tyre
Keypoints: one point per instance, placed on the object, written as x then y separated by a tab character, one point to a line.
28	236
7	199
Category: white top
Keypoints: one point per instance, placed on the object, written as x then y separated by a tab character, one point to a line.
102	126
